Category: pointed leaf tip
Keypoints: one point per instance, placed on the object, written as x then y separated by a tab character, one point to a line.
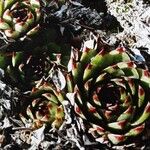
116	138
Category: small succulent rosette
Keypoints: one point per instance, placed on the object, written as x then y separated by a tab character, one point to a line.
19	19
111	93
22	69
46	106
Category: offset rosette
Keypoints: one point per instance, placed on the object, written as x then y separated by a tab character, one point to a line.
46	106
19	19
22	69
111	93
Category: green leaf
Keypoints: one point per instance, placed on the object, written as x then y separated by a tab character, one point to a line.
86	56
35	3
76	71
136	131
51	97
4	25
144	77
33	31
17	58
141	96
114	70
116	138
7	16
131	84
69	83
120	125
12	34
144	116
29	112
126	115
9	3
1	7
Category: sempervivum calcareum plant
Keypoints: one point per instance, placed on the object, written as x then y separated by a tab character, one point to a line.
22	69
19	19
111	93
46	106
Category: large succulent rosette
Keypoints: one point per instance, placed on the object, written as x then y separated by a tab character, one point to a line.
45	107
111	93
19	19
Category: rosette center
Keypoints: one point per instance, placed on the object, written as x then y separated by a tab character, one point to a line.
109	95
20	13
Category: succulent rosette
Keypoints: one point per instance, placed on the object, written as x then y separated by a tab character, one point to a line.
46	106
111	93
19	19
22	69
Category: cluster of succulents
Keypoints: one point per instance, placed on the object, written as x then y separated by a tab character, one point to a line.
23	69
110	91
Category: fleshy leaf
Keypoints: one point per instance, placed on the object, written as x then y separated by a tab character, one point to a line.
116	138
145	115
136	131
